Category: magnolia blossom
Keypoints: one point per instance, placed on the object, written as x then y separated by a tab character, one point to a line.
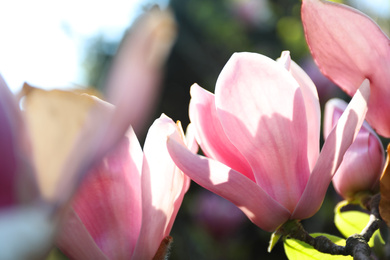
260	132
47	147
362	163
219	217
128	203
348	47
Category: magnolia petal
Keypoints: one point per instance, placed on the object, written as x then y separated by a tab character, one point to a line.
16	173
61	128
334	108
259	207
26	232
312	104
349	47
190	139
75	241
362	164
109	200
260	107
361	167
163	188
133	80
313	112
9	117
335	146
210	134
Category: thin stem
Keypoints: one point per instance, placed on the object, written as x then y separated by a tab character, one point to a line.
356	245
320	243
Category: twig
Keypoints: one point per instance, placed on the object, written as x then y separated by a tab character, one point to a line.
356	245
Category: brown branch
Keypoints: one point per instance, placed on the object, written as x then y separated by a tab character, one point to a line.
356	245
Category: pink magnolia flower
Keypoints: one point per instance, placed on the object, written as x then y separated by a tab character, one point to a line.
128	203
49	146
260	132
363	162
349	47
219	217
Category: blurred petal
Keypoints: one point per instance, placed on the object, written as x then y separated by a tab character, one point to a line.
26	232
349	47
210	134
9	120
259	207
57	120
108	202
15	169
337	143
163	188
134	78
260	107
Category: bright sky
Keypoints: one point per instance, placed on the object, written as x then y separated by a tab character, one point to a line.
41	41
380	7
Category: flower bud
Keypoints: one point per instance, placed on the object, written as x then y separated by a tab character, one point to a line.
362	164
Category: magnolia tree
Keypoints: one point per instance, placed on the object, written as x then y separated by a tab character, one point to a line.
260	139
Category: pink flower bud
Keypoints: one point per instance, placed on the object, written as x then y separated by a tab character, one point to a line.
362	164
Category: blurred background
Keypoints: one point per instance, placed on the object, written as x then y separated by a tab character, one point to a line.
54	45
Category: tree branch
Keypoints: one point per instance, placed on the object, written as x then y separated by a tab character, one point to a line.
356	245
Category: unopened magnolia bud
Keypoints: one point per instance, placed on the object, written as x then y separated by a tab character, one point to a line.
362	164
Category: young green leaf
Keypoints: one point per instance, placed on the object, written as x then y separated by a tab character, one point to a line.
353	222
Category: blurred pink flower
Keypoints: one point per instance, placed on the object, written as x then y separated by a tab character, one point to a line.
349	47
218	216
128	203
260	132
47	148
363	162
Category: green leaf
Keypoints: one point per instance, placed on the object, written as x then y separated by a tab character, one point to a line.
353	222
298	250
273	240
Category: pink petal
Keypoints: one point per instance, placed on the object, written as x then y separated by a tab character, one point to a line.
108	202
259	207
362	164
15	169
260	106
349	47
190	139
8	148
337	143
163	188
75	241
134	78
313	112
32	226
86	151
334	108
132	88
210	134
361	167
